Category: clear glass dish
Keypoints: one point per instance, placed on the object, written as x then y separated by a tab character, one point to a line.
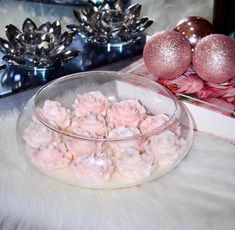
135	147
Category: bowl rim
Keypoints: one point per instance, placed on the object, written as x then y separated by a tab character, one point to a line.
119	76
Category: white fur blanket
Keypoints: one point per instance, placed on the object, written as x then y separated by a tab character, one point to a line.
198	194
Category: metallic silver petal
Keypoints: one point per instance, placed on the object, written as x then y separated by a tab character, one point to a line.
29	26
12	32
45	27
134	10
118	5
104	5
91	8
80	15
141	21
56	51
90	28
144	26
13	58
75	28
69	55
5	46
55	29
67	38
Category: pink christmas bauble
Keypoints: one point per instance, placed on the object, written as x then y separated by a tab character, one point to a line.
214	58
167	54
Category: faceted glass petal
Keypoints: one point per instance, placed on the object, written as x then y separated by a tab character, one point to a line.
55	29
29	25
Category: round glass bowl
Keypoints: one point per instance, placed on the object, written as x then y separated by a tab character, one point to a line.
105	130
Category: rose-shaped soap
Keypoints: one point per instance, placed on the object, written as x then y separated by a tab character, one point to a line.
120	146
52	156
37	134
163	146
167	54
78	146
214	58
55	114
93	102
152	122
92	168
126	113
94	125
134	165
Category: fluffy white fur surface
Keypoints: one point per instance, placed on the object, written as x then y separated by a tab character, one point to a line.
198	194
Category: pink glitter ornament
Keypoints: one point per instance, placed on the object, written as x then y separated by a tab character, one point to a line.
214	58
167	54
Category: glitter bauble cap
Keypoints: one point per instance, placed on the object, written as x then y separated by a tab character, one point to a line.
167	54
214	58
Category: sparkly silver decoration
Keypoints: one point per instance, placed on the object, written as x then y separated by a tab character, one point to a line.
110	22
42	46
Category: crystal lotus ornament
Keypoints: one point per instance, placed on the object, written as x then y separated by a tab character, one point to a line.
42	46
110	22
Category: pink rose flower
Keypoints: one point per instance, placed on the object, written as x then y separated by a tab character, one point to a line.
134	165
120	146
93	168
55	114
92	102
186	84
52	156
163	146
94	125
126	113
152	122
37	134
78	146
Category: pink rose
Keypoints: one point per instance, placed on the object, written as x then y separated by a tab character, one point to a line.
94	125
134	165
55	114
163	146
52	156
78	146
186	84
126	113
152	122
37	134
93	168
120	146
92	102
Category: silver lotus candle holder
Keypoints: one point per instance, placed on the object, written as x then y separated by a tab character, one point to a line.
41	47
34	55
109	23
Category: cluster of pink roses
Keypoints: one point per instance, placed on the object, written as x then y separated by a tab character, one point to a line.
94	116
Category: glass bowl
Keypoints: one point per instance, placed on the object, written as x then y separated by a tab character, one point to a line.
104	129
